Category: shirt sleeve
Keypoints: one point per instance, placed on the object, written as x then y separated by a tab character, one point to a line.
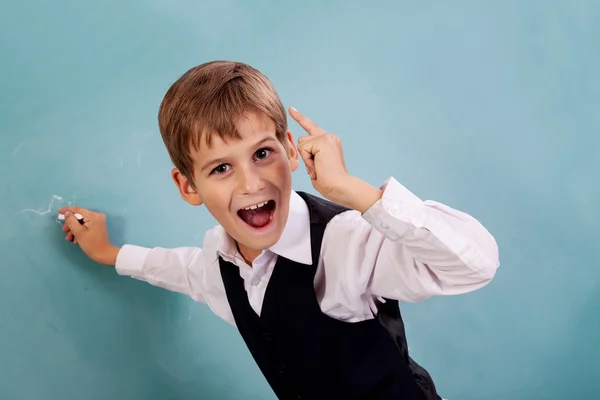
179	269
412	249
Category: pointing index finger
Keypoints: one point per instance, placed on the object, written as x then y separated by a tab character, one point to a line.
310	127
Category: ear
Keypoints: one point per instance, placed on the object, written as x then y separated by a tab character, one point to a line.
188	193
292	151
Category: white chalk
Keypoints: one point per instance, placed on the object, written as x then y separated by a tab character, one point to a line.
61	217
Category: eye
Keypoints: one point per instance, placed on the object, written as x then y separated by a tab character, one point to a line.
220	169
263	153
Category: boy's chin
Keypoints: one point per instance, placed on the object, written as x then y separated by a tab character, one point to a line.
259	241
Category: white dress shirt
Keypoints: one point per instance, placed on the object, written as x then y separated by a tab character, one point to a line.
401	248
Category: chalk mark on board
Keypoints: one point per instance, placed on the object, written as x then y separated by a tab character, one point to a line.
17	148
43	211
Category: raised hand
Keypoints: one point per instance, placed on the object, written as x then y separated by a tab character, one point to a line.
324	159
323	156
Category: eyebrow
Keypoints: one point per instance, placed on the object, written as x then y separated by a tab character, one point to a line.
219	161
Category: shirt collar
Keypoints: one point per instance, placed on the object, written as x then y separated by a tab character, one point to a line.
294	243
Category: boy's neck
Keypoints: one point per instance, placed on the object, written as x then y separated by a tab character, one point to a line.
249	255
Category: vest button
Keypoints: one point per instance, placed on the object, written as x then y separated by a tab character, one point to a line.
266	336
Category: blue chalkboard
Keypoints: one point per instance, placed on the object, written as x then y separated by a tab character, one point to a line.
490	107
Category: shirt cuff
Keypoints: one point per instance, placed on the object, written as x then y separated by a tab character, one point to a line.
397	212
130	261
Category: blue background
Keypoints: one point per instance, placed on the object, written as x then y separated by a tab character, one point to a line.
491	108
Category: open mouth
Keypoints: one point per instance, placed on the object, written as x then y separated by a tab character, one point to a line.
258	215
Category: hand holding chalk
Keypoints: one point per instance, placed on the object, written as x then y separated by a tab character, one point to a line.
88	230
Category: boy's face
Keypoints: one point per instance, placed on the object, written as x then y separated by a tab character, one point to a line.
245	184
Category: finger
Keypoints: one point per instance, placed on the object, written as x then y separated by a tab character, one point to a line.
69	237
306	151
65	228
75	209
310	164
308	147
309	161
310	127
73	223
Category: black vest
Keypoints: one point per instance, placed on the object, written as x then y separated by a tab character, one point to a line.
305	354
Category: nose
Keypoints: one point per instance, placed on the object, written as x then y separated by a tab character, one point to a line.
250	180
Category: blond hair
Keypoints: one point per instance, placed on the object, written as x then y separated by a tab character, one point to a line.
209	99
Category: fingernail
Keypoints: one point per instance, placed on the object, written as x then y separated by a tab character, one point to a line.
293	109
68	213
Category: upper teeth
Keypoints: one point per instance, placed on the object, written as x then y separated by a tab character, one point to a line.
255	206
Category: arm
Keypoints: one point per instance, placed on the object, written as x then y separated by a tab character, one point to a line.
411	249
397	245
175	269
178	269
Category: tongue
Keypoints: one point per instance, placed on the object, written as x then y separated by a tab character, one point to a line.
256	218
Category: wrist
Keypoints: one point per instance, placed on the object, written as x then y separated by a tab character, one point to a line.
109	256
359	195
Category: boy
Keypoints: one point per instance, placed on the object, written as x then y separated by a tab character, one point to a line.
312	284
